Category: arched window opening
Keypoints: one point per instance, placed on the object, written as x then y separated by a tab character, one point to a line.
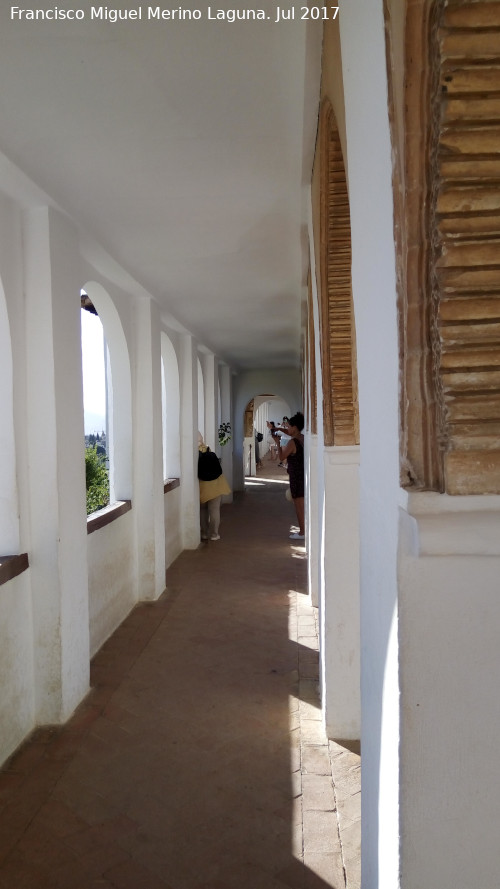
116	392
96	372
170	409
220	419
201	401
338	345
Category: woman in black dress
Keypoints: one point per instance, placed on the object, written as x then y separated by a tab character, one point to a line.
293	453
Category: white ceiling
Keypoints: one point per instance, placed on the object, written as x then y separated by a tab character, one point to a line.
182	148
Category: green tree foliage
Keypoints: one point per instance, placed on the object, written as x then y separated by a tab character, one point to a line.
97	479
224	433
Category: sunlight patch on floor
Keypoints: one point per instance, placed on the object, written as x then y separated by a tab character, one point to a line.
274	481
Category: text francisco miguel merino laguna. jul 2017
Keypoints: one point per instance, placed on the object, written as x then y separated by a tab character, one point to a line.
158	13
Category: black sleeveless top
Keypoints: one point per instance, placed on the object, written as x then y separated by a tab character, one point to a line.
295	466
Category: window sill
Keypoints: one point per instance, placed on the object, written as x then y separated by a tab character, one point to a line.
107	515
170	484
11	566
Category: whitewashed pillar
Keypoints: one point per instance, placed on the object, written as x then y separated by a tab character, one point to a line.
190	495
148	499
313	523
210	383
226	400
341	616
58	546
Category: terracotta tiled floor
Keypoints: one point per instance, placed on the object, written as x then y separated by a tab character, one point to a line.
197	760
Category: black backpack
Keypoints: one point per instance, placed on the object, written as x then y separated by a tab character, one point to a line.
209	467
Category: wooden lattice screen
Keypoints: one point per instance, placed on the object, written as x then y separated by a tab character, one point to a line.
451	275
338	353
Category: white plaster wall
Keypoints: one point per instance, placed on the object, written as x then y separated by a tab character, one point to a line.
211	400
111	571
56	469
11	273
341	679
314	495
171	424
315	472
449	621
190	492
148	453
201	400
374	290
17	700
9	511
173	536
248	456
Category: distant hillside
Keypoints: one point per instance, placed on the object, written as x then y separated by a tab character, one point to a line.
94	423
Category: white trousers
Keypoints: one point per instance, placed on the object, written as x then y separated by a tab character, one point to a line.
210	516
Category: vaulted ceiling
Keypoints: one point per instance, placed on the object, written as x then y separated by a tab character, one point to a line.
183	149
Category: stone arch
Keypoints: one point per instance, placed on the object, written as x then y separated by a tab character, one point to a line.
338	343
9	522
119	394
260	409
449	272
171	409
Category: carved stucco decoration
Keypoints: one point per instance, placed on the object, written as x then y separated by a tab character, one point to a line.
449	247
338	349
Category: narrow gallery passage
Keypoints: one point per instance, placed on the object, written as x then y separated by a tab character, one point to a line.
197	761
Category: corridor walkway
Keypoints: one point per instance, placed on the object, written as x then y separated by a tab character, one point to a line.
197	761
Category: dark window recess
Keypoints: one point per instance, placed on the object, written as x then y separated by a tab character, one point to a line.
86	303
107	515
11	566
170	484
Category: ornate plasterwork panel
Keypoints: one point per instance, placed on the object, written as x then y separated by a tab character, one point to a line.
451	248
338	352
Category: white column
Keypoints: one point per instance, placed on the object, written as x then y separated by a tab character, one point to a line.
371	199
210	383
341	694
9	508
226	398
148	497
449	661
190	496
313	523
58	547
